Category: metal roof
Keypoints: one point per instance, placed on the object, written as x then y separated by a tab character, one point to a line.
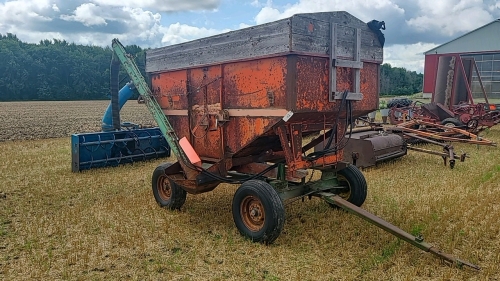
484	38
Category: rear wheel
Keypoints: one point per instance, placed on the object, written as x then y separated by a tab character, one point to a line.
167	193
355	189
258	211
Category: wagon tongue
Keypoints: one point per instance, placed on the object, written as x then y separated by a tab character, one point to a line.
415	241
452	259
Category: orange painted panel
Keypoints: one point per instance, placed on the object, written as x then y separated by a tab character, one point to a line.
180	125
369	88
170	89
255	84
204	102
241	131
312	84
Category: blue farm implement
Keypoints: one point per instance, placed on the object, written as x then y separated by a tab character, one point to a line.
118	143
105	149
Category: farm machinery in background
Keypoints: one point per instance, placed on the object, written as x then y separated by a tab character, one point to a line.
452	104
238	108
452	116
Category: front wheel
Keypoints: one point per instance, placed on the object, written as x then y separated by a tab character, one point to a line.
167	193
258	211
355	187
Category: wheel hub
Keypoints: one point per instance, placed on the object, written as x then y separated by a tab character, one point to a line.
164	189
252	213
345	192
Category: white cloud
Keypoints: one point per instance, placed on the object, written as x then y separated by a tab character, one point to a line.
146	23
20	12
256	3
96	22
450	17
88	14
163	5
411	25
409	56
365	10
243	25
178	33
407	21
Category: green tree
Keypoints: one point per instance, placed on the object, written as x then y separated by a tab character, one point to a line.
399	81
57	70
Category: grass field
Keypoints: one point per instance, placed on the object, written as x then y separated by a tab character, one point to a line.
104	224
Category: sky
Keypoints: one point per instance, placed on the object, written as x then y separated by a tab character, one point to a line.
413	26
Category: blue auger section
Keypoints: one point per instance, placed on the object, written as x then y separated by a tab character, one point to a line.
106	149
123	95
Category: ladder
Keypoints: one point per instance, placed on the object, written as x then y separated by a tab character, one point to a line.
355	64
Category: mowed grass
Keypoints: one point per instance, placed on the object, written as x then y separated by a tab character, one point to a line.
104	224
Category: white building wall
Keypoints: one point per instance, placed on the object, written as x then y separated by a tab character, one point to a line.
483	39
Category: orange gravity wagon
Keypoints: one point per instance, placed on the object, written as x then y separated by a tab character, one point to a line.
247	100
252	107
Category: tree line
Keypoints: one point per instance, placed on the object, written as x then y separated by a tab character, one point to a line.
399	81
58	70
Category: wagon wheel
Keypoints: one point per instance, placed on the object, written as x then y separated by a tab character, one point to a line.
258	211
472	125
167	193
355	187
451	122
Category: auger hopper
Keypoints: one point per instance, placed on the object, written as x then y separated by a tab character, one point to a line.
249	106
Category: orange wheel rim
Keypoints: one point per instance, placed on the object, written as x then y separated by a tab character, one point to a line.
164	189
252	213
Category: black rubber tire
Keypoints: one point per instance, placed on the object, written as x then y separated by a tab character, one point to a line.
253	199
167	193
452	122
401	102
356	182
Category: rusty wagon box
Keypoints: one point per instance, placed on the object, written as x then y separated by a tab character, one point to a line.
226	93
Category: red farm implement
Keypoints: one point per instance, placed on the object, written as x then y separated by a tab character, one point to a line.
453	102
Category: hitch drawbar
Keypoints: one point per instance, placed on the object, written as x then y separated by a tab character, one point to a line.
371	218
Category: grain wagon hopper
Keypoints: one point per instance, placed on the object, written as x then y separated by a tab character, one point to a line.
246	107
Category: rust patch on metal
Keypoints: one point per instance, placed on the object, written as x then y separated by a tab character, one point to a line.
312	84
241	131
170	89
310	27
250	84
